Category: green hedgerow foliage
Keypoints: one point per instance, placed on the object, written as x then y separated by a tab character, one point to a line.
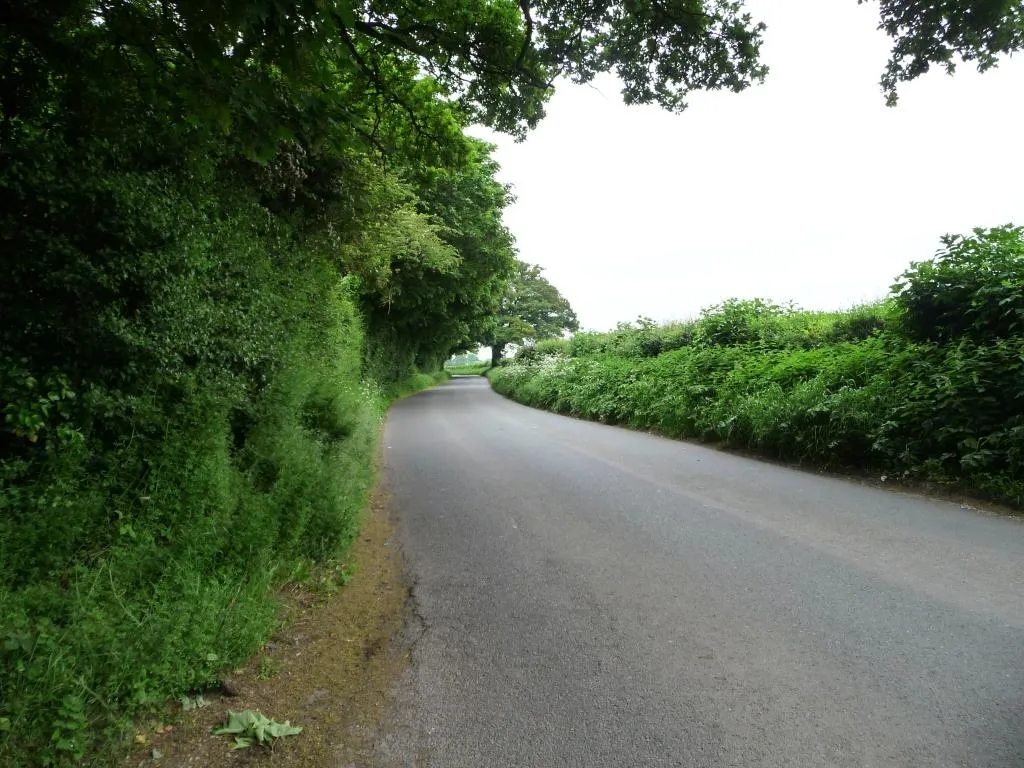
736	321
212	286
908	387
641	338
193	440
973	288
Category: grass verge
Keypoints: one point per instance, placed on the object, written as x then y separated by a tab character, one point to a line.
329	669
188	585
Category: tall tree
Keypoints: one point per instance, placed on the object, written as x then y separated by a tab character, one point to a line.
431	306
531	309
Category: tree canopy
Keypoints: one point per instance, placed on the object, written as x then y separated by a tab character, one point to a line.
403	75
531	309
941	31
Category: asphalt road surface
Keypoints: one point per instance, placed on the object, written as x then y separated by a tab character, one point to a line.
591	596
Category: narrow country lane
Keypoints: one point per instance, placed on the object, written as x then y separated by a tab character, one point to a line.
591	596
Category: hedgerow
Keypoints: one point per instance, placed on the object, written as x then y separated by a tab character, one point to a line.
928	384
213	286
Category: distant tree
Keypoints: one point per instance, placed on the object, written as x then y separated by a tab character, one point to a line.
468	358
531	309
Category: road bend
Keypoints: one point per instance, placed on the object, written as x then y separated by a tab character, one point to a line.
586	595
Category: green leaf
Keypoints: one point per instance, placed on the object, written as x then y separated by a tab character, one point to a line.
278	730
346	13
238	722
249	727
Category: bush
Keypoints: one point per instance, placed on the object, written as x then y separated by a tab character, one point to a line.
546	347
959	413
477	369
860	322
172	535
737	321
944	414
973	288
641	338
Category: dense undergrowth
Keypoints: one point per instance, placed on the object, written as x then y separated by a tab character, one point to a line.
144	531
146	523
928	384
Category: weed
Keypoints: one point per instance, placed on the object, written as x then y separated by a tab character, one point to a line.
250	727
267	667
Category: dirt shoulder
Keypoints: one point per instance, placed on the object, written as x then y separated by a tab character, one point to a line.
330	669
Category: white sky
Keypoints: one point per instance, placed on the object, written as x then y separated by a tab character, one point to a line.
807	188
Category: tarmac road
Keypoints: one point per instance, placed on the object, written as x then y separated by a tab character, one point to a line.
590	596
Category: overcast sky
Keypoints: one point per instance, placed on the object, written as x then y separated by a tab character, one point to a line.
807	188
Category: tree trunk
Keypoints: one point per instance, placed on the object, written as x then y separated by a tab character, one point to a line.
496	352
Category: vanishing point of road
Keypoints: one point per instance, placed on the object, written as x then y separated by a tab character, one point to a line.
590	596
